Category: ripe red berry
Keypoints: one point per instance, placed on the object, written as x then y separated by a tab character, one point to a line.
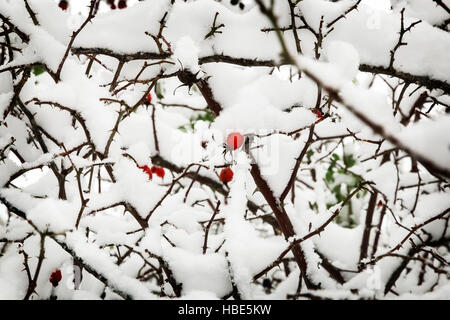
235	140
147	170
149	97
122	4
158	171
226	175
55	277
63	4
379	204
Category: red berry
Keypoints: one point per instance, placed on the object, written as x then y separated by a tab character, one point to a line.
122	4
55	277
235	140
318	112
63	4
149	97
379	203
158	171
161	173
147	170
226	175
111	4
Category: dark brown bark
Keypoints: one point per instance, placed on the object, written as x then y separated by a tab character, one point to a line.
368	226
284	222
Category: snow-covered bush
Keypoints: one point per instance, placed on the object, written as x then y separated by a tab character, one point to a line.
224	149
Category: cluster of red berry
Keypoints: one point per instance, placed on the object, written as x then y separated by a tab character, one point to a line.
159	171
234	141
122	4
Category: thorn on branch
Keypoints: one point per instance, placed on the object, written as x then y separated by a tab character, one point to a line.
214	28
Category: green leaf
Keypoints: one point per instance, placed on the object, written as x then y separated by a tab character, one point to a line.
159	90
337	193
207	116
309	154
349	161
38	69
329	176
335	156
